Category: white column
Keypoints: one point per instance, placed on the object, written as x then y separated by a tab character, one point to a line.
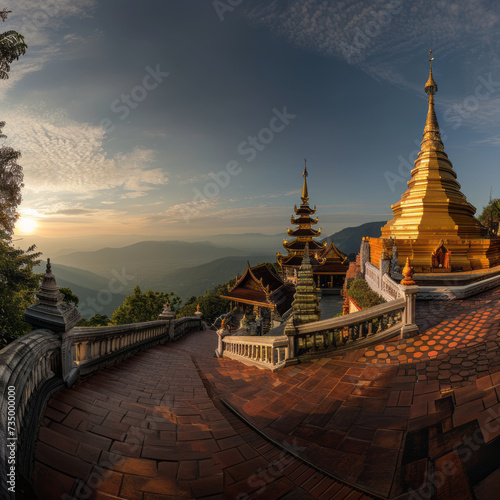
409	328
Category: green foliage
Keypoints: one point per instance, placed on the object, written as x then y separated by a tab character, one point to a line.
18	284
211	306
211	303
96	320
192	300
69	296
11	182
490	216
140	307
363	294
12	46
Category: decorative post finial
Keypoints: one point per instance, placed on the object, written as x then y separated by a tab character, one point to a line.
408	273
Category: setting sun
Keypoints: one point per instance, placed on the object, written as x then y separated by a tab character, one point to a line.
26	224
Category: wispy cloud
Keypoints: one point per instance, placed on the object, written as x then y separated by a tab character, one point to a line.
382	36
39	23
387	38
62	155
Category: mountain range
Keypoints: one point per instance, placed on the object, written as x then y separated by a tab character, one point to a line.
103	278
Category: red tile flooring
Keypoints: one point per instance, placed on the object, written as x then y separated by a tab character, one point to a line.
156	426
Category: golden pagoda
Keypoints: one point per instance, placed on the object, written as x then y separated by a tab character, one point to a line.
329	264
434	224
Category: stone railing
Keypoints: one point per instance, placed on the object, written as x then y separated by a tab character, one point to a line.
41	363
182	326
30	372
459	291
86	350
265	352
372	277
364	326
391	290
339	334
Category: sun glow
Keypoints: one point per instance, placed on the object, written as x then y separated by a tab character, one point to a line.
26	224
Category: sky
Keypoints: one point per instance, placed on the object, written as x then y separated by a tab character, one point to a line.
180	118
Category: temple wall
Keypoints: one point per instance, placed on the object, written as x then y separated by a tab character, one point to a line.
377	245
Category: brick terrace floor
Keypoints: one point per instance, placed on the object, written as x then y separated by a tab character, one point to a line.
399	419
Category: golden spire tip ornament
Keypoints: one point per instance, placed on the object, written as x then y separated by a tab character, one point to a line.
305	193
431	86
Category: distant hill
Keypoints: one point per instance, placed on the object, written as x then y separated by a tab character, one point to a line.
348	240
249	242
147	260
186	268
198	279
96	293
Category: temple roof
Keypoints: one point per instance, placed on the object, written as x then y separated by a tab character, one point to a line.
319	266
333	253
325	258
299	245
304	209
259	285
301	220
304	231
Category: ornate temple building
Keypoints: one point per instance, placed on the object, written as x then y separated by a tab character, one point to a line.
329	264
259	295
434	224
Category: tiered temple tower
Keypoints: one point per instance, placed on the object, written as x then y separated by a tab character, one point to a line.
305	305
434	224
328	263
304	234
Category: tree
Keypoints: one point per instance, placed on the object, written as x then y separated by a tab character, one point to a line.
490	216
192	300
12	46
211	306
11	183
96	320
140	307
69	296
18	283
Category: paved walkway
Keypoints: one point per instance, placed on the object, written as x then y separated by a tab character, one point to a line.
407	427
147	429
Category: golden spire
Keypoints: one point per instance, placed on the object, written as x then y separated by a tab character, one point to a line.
433	207
305	193
432	137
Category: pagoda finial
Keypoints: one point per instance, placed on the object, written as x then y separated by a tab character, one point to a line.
431	86
305	193
432	137
48	267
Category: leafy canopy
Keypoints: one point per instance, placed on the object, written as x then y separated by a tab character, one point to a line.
491	215
18	283
96	320
140	307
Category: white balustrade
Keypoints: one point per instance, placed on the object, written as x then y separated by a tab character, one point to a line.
265	352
